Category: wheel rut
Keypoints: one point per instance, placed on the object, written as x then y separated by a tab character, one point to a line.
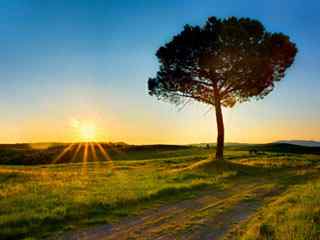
213	214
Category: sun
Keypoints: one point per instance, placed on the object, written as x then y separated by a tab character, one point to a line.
87	132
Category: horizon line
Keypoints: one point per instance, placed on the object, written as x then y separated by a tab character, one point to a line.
155	143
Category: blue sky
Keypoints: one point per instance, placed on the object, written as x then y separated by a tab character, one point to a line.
90	61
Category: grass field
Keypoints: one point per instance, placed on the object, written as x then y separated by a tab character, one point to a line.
295	215
46	200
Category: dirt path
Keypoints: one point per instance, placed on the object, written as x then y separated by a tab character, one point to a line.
213	214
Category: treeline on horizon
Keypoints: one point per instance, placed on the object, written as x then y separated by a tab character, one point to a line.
27	154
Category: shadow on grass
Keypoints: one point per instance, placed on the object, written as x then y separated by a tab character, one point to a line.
81	215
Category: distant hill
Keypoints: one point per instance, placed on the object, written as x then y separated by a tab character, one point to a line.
304	143
285	148
298	147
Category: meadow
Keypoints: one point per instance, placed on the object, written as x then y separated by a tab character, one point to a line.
273	194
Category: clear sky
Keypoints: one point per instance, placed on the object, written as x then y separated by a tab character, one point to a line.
89	61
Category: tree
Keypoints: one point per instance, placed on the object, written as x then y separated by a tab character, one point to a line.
221	63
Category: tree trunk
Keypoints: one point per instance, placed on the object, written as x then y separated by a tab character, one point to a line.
220	127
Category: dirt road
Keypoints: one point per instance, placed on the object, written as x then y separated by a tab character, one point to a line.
213	214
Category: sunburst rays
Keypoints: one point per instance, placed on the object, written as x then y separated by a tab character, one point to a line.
93	152
95	159
67	149
88	152
75	154
85	159
104	153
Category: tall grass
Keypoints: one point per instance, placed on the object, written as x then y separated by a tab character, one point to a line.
294	216
34	201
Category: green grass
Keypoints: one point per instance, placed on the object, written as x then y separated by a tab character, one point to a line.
37	201
293	216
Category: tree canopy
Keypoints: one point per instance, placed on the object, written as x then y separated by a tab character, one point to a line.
238	57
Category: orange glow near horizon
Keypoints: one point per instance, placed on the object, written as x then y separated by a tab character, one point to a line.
191	127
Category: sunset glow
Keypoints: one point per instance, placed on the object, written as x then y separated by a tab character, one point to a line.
87	132
78	72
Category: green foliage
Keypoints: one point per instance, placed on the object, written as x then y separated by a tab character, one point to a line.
223	62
